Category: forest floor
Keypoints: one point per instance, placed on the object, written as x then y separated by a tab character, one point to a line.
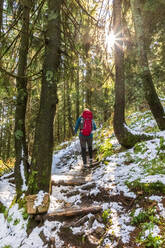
128	186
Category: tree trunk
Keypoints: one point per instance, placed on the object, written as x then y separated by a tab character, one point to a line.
1	128
69	109
19	132
8	147
88	85
1	15
43	144
29	114
123	134
58	127
64	112
77	86
149	89
1	24
9	132
88	98
106	110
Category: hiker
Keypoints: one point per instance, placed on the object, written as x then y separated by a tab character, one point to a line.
86	124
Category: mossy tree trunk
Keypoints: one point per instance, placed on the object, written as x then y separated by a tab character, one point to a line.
149	89
9	133
40	174
123	134
21	152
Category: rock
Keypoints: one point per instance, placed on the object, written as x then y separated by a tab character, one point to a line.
99	231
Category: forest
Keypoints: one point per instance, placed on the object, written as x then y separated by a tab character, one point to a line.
57	58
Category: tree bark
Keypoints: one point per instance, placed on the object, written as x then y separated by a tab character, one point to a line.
88	85
1	16
122	132
77	86
69	109
58	127
149	89
9	132
43	144
21	151
64	112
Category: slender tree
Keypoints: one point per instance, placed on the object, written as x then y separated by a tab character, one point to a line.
69	108
149	89
123	134
21	151
64	112
77	87
1	15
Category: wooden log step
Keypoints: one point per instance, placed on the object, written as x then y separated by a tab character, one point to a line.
74	211
68	180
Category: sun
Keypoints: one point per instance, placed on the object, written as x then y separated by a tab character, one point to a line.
110	40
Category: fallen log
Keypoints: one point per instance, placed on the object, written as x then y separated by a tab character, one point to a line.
73	211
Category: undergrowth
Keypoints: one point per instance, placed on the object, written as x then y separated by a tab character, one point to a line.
148	222
6	166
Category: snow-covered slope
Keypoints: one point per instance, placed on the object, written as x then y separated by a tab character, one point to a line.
129	185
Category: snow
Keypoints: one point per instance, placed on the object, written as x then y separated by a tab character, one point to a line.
97	224
137	211
39	199
33	241
155	198
136	132
162	209
154	231
7	191
13	230
51	229
122	167
24	186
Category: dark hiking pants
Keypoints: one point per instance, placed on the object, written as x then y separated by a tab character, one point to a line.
83	141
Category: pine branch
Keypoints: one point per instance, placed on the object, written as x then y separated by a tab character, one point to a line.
86	12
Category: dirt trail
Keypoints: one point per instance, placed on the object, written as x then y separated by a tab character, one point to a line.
84	229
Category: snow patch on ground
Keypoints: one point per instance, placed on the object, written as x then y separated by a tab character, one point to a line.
121	168
7	192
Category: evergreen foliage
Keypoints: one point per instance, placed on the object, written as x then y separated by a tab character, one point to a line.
85	75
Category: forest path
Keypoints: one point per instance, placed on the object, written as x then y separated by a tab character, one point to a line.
83	201
72	205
